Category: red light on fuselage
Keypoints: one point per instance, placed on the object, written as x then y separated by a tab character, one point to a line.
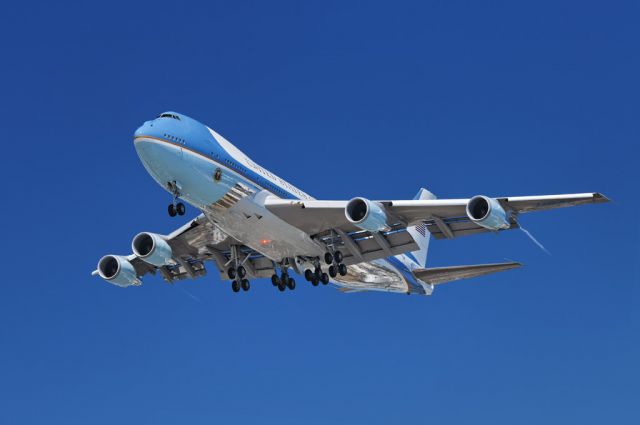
265	241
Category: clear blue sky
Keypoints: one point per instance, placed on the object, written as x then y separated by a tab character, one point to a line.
363	99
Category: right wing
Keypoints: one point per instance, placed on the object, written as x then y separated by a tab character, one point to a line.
438	275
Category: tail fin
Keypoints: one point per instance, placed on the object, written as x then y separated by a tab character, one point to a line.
420	234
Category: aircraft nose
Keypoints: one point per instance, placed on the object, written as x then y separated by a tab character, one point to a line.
144	129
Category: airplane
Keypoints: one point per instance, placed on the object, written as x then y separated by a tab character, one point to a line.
254	224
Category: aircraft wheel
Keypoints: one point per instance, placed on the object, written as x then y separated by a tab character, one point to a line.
172	210
235	286
342	269
275	280
338	257
317	273
332	271
328	258
314	281
324	278
242	272
308	274
231	273
291	284
281	286
180	209
245	285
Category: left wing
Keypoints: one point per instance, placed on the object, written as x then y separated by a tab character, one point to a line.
445	218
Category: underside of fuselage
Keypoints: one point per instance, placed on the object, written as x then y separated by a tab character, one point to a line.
233	200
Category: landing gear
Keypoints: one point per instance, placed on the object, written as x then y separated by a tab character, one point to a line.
242	272
336	265
308	274
275	280
235	286
337	256
231	273
332	271
291	284
245	285
175	208
324	278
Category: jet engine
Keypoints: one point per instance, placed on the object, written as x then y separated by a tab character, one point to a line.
488	213
366	214
118	271
152	249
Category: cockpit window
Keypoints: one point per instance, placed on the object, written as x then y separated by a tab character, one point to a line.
175	117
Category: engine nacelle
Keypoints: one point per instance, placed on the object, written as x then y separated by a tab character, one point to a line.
366	214
152	249
488	213
118	271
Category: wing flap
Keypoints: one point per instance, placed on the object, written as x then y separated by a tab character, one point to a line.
440	275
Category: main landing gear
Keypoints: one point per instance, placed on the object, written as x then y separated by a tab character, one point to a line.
283	281
175	208
336	265
237	273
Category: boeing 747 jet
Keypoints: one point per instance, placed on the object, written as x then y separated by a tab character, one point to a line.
253	224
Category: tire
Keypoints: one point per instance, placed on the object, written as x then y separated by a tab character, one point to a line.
172	210
338	257
291	284
242	272
314	281
332	271
275	280
324	278
308	274
342	269
245	285
317	273
180	209
231	273
282	286
235	286
328	258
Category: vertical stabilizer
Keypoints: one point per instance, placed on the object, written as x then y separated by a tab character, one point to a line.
420	234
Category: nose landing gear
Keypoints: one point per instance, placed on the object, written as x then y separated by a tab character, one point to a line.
175	208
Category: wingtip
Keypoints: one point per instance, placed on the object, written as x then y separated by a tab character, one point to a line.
600	198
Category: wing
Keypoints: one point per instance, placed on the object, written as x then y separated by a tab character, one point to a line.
198	241
316	217
440	275
444	218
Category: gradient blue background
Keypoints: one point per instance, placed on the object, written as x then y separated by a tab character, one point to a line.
342	100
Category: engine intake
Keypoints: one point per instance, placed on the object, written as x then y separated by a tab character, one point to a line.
488	213
118	271
152	249
366	214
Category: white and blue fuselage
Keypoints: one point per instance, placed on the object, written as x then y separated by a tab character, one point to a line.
192	161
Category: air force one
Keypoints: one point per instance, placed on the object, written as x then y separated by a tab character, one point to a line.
253	224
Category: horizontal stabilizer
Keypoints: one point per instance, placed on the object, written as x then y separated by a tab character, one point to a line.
440	275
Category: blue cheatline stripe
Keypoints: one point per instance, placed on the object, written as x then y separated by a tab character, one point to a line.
252	177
